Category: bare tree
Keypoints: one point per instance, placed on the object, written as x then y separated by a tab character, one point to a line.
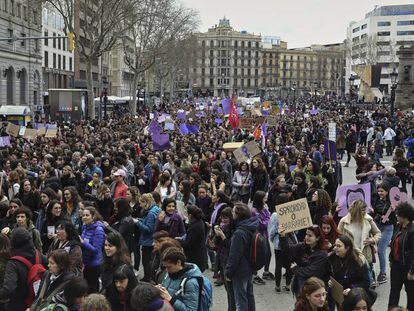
101	23
147	42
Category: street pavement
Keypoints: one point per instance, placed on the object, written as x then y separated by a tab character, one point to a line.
267	299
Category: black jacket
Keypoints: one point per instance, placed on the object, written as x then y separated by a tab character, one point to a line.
405	246
194	244
125	227
109	271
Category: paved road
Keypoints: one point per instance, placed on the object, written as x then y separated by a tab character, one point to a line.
268	299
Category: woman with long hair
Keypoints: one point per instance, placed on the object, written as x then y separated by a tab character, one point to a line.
300	166
312	296
402	167
132	196
169	220
67	238
54	215
321	205
309	255
204	171
70	205
242	181
166	186
329	230
195	182
68	178
280	168
116	254
260	178
122	222
313	169
217	181
184	193
276	189
357	299
5	254
92	240
29	196
104	202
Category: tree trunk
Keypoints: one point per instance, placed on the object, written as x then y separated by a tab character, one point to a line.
133	104
89	85
171	86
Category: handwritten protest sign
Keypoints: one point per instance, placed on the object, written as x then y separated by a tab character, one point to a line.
51	133
232	146
12	129
41	131
347	194
246	123
294	215
5	142
247	152
30	133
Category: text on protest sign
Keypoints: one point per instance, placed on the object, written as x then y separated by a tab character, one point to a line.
294	215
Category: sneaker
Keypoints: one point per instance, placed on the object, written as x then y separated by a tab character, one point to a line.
382	278
286	288
218	282
258	280
346	165
278	290
268	275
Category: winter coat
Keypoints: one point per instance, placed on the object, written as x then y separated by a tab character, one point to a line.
381	208
260	181
174	226
242	182
369	230
93	236
238	263
31	200
189	300
74	248
37	241
146	226
405	246
47	288
194	244
105	208
263	216
43	231
125	226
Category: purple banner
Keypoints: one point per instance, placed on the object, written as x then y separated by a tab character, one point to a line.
193	129
330	149
225	103
5	141
347	194
160	141
183	129
181	115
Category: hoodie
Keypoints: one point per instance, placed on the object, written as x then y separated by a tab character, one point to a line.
238	263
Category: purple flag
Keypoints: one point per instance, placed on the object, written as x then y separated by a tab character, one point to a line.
218	121
330	149
154	128
183	129
347	194
220	110
169	126
225	103
160	141
314	111
265	112
181	115
5	141
193	129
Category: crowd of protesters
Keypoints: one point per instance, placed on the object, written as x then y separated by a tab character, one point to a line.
101	218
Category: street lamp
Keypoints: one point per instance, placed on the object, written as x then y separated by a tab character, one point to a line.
294	91
393	76
316	84
222	85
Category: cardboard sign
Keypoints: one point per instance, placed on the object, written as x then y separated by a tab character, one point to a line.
231	146
41	131
12	129
294	215
247	152
257	112
337	291
347	194
332	131
397	197
272	121
246	123
30	133
51	133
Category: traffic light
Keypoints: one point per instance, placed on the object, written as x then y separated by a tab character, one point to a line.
70	42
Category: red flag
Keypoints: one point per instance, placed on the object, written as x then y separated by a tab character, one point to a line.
233	115
257	132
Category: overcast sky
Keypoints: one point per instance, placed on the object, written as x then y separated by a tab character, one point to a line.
299	22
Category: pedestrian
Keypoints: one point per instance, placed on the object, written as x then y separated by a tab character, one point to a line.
312	296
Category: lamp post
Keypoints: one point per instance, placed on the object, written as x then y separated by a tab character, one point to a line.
222	85
315	84
394	76
294	91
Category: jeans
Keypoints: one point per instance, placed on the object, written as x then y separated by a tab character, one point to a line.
243	294
386	236
146	262
398	279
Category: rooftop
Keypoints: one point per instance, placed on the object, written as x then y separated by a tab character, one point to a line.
392	10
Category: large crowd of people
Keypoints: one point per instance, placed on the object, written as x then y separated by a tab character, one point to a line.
104	217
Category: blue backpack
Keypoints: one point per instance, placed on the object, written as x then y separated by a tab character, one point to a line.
205	297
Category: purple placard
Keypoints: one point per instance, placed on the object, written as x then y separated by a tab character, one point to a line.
347	194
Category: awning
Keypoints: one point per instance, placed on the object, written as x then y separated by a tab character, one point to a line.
377	93
10	110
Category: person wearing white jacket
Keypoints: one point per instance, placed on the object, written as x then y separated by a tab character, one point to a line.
388	136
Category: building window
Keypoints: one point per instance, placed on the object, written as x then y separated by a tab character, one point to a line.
46	40
46	57
54	40
405	33
383	24
54	60
203	43
405	23
364	26
364	36
5	3
59	62
59	46
64	62
355	30
211	43
383	33
25	13
19	10
23	42
70	63
10	33
12	7
64	44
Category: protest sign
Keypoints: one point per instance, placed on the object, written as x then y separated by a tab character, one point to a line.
246	123
183	129
22	130
337	291
332	131
294	215
272	121
5	141
257	112
347	194
169	126
160	141
30	133
41	131
330	149
397	197
232	146
12	129
247	152
50	133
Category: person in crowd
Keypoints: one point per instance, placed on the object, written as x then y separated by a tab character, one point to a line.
73	296
277	188
193	242
238	270
320	206
71	204
92	240
217	181
402	167
23	218
28	195
312	296
356	299
46	196
92	187
402	256
299	186
95	302
54	279
184	193
169	220
119	187
146	226
174	261
261	211
67	238
147	297
68	178
166	186
260	178
351	141
104	202
382	206
15	290
241	183
310	257
116	254
123	223
54	215
329	230
205	202
14	185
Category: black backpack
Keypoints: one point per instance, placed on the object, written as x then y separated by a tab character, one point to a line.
257	249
